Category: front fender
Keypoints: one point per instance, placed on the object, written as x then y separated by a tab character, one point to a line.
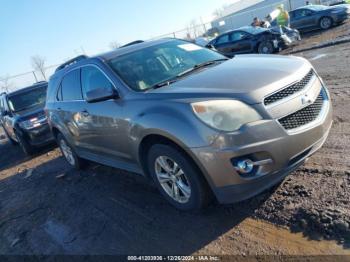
177	124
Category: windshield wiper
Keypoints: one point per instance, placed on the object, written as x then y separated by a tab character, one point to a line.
164	83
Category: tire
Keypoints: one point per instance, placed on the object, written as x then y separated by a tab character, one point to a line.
266	47
25	146
193	192
68	153
13	142
326	22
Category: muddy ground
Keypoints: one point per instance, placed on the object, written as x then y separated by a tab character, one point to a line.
48	208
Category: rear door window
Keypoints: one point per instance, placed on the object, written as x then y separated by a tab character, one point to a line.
71	87
92	78
223	39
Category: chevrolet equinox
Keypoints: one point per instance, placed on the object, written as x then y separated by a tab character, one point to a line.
197	123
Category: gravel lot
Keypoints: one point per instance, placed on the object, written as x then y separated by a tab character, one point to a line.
48	208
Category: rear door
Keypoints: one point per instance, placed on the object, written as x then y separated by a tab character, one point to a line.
223	44
241	42
69	108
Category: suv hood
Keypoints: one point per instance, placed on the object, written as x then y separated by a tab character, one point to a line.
245	77
30	113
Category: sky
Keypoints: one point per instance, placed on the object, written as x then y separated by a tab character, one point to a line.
61	29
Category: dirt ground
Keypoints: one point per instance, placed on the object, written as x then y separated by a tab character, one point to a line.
48	208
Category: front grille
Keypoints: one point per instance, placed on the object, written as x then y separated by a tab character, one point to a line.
289	90
303	116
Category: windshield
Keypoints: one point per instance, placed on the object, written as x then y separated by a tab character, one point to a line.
143	69
25	100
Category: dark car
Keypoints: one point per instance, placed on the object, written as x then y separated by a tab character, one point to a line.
313	17
194	121
23	118
248	40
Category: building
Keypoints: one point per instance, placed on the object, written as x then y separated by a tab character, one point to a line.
243	12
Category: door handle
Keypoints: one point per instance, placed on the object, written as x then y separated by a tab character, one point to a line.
85	113
59	109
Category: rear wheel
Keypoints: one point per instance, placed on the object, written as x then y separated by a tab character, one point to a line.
25	146
265	47
69	154
177	179
326	23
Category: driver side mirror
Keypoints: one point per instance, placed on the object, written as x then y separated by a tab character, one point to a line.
212	47
101	94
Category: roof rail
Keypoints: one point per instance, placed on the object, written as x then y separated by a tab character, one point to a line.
70	62
133	43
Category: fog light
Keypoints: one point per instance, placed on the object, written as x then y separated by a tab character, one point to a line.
245	166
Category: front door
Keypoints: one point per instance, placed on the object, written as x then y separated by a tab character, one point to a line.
106	136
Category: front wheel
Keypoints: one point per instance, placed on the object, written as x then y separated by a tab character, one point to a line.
326	23
265	47
177	179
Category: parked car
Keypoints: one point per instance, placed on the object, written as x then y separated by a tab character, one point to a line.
312	17
23	118
248	40
194	121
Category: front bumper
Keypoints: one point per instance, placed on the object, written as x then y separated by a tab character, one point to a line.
341	17
38	136
260	140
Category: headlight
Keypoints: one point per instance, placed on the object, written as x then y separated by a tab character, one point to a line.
225	115
33	123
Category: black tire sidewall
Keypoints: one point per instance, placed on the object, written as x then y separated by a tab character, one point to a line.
199	190
78	163
265	43
26	147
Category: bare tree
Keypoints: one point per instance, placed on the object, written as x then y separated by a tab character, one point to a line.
38	64
5	84
193	30
114	45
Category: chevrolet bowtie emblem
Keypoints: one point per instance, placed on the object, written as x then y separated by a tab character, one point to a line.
306	99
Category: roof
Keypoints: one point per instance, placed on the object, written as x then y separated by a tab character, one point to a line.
249	29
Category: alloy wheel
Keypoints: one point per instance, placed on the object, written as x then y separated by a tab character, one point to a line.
326	23
173	179
67	152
